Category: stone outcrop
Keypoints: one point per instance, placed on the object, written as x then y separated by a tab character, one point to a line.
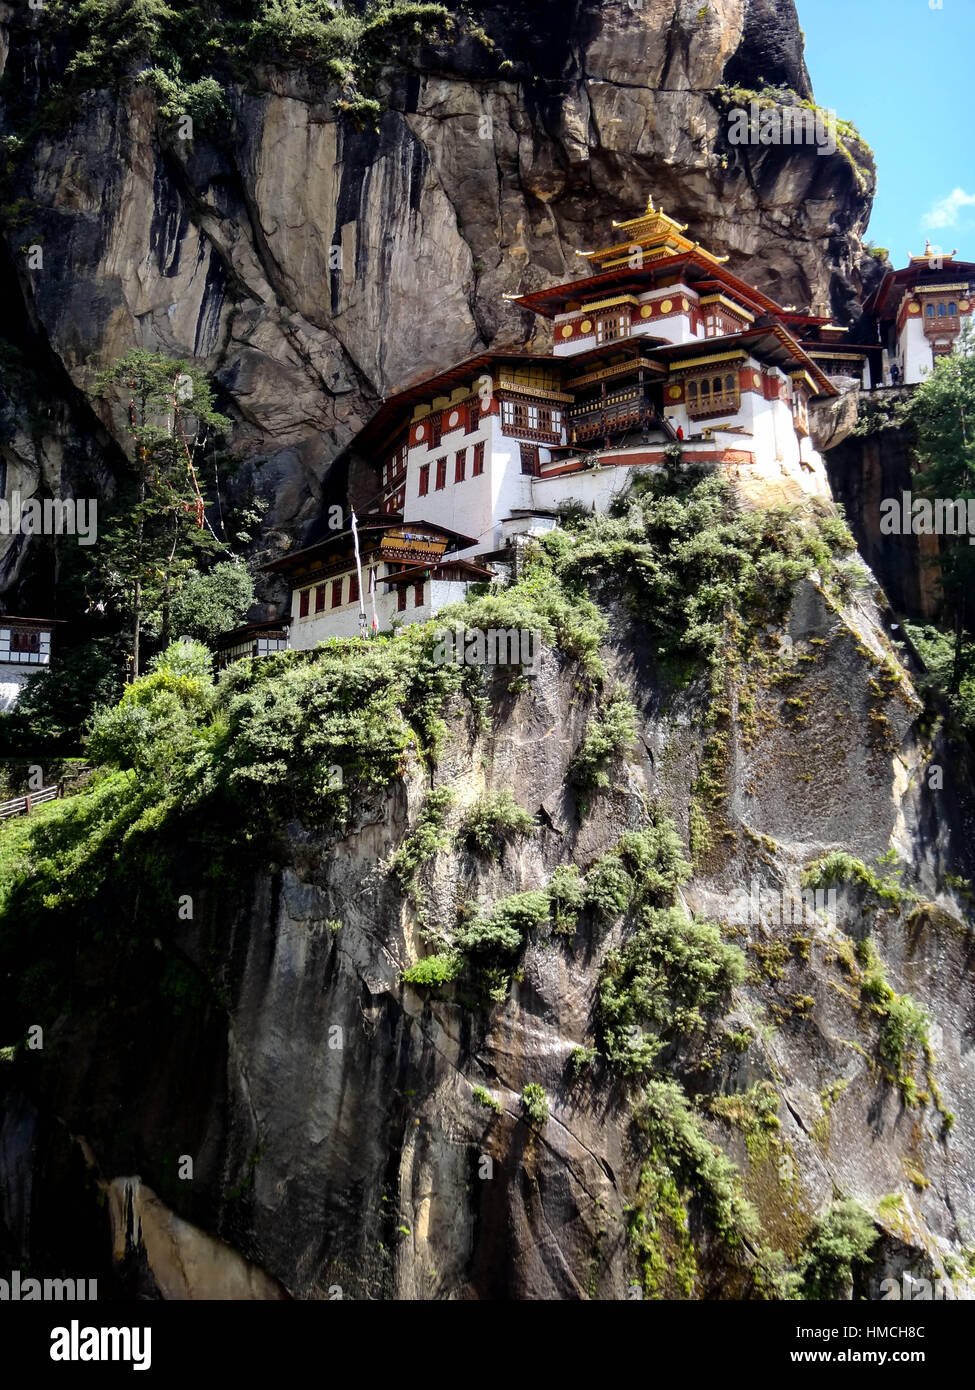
338	1139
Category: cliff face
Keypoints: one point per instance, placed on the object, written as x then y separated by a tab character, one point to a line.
351	1135
495	160
340	1145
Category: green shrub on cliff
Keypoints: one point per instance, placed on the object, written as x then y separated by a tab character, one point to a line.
839	1244
610	735
681	1162
665	978
492	820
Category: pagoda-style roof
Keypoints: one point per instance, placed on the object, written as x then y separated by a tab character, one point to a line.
240	634
703	272
654	233
922	271
418	572
767	340
388	419
10	620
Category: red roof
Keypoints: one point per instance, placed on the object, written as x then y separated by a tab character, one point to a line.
540	301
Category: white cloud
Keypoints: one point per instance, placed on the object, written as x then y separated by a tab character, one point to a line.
945	212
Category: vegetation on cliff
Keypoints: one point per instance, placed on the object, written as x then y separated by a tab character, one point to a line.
212	770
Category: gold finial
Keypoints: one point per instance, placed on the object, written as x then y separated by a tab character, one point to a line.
927	247
650	206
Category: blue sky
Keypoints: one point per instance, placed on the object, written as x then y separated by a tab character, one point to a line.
901	71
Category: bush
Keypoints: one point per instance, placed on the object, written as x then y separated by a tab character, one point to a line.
611	734
56	705
484	1097
212	603
423	841
503	932
491	820
677	1145
609	888
567	896
840	1240
670	973
840	867
535	1101
905	1029
433	971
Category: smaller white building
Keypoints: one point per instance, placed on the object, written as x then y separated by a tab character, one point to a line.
25	649
409	572
918	313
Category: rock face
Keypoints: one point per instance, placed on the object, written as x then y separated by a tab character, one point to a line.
351	1135
313	268
340	1147
863	471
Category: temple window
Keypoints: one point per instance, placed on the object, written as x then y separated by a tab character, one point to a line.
303	601
417	595
336	593
713	394
612	328
319	597
460	465
424	487
531	420
441	473
394	469
478	460
401	598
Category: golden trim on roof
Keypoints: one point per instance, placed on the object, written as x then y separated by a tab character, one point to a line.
652	230
930	255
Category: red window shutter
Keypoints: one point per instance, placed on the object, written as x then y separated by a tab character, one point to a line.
319	597
336	593
400	597
478	459
460	466
474	415
424	480
417	595
303	598
441	473
353	587
436	425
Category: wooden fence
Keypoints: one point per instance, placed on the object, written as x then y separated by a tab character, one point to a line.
23	805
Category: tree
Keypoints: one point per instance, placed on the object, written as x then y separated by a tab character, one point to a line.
209	604
159	534
941	412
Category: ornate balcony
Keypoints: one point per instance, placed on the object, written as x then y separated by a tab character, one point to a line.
622	410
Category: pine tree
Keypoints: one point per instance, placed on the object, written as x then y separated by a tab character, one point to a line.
159	533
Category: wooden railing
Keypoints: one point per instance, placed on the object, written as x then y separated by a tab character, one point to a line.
716	403
621	411
23	805
934	327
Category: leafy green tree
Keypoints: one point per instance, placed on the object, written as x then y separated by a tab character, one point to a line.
55	703
941	413
162	717
209	604
159	534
